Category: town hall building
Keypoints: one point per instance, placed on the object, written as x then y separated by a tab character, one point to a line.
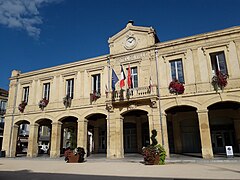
187	89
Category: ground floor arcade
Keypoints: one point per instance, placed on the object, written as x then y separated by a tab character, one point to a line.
186	129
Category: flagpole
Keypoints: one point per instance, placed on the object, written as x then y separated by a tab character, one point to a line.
108	118
159	103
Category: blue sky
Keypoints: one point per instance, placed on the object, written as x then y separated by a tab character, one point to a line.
36	34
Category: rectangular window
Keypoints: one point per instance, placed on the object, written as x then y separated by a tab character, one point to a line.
69	87
218	62
134	74
25	94
96	83
177	70
3	105
2	120
46	91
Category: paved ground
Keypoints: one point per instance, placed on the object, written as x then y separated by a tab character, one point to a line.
99	168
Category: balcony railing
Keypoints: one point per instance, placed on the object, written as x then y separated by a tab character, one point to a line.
134	93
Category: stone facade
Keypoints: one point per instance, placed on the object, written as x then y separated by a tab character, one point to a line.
3	105
202	119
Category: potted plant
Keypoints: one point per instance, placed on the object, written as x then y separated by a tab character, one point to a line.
94	96
219	80
175	87
43	103
67	100
22	106
74	156
154	154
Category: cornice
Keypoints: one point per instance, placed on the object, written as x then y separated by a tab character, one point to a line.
63	67
199	37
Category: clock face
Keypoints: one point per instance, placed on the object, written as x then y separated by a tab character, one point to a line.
130	43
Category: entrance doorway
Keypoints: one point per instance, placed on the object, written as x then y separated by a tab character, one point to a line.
135	131
130	138
223	120
97	134
220	139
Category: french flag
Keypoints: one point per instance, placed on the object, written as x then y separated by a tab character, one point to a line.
123	77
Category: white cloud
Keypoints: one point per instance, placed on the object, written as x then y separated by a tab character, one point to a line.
23	14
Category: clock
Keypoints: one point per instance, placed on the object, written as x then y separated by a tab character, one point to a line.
130	43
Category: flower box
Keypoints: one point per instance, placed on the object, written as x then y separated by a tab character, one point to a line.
22	106
219	80
94	96
43	103
67	100
175	87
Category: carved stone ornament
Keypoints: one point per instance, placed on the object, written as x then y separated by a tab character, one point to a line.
132	106
109	107
153	103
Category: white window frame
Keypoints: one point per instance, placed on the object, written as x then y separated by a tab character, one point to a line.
134	84
25	94
46	90
70	87
98	83
177	69
216	66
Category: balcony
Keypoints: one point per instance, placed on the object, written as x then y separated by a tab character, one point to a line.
134	94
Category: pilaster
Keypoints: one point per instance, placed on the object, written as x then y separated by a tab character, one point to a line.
165	133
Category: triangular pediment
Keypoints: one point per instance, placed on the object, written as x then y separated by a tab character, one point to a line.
132	38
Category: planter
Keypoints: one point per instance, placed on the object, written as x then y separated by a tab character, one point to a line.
22	106
76	156
175	87
219	80
43	103
155	161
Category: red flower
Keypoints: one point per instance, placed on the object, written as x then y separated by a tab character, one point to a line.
220	80
22	106
176	87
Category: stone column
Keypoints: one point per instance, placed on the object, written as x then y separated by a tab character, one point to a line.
165	133
14	141
139	134
119	151
111	129
55	139
205	135
82	133
177	134
96	139
33	141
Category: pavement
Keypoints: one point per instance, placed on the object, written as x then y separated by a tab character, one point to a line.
131	167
